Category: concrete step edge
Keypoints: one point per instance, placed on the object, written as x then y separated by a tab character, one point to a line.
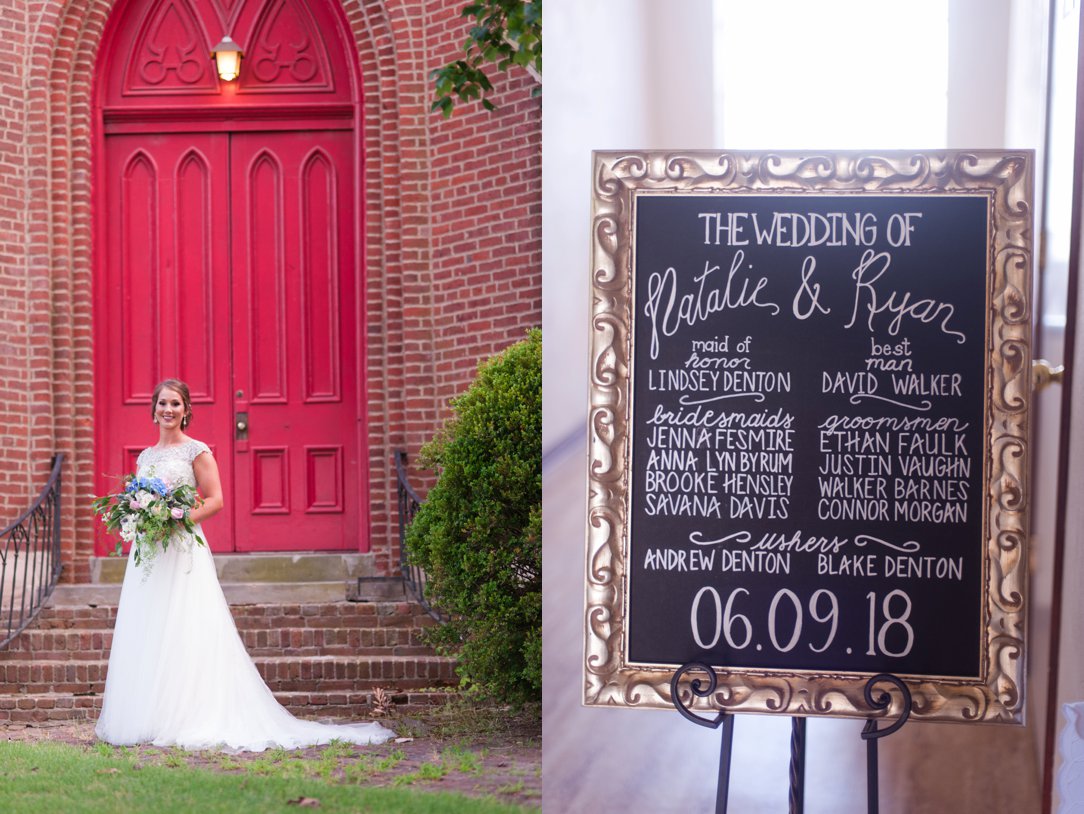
264	566
237	593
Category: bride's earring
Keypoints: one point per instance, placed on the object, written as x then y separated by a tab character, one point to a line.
155	419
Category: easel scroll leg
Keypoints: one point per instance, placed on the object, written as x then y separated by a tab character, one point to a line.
871	734
722	791
699	690
797	765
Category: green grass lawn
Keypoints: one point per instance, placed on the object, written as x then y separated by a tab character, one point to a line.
54	778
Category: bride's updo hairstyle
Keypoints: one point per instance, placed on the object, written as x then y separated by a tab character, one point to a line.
177	386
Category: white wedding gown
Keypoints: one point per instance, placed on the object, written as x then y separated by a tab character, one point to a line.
179	674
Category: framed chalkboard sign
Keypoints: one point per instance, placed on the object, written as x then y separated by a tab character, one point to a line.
810	377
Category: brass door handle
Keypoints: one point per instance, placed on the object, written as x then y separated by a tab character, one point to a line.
1044	373
241	423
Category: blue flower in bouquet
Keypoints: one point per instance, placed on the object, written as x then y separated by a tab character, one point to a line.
156	485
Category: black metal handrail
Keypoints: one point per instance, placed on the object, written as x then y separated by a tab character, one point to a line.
30	560
414	576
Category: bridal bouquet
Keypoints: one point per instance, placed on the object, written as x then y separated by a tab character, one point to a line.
149	514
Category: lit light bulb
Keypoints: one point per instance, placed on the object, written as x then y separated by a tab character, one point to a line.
227	57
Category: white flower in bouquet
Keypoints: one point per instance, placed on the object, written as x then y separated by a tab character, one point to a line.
128	529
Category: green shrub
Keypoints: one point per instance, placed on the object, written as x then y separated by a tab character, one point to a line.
478	534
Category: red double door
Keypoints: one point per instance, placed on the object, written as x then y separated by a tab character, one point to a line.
229	263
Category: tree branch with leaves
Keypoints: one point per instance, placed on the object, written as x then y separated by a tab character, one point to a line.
503	33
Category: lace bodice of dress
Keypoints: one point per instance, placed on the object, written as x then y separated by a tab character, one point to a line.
171	464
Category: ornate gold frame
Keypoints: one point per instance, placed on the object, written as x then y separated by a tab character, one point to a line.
1004	176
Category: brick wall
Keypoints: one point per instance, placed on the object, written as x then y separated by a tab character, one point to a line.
459	274
25	296
452	235
485	177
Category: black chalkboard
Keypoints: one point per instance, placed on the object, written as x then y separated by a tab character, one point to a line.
807	432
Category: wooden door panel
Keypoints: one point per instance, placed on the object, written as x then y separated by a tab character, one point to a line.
137	275
264	238
164	298
201	273
296	481
320	301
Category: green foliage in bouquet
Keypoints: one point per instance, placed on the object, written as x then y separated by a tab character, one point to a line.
148	513
479	533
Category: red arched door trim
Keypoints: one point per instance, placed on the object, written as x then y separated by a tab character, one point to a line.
228	251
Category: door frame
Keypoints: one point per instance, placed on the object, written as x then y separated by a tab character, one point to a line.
220	116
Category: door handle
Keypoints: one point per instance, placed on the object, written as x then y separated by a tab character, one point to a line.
1044	373
242	427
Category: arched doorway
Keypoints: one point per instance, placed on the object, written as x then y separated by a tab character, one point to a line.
227	253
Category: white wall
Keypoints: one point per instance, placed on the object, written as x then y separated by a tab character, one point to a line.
978	73
620	74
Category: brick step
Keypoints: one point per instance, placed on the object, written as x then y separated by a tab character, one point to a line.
76	617
266	616
342	706
89	644
49	706
328	673
281	673
352	705
332	615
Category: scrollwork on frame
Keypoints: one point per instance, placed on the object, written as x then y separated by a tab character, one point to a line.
1005	179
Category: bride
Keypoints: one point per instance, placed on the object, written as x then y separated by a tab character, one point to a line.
179	674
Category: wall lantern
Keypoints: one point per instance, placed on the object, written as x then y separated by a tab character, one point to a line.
227	57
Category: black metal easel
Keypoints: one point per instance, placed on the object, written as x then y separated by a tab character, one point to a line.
871	733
